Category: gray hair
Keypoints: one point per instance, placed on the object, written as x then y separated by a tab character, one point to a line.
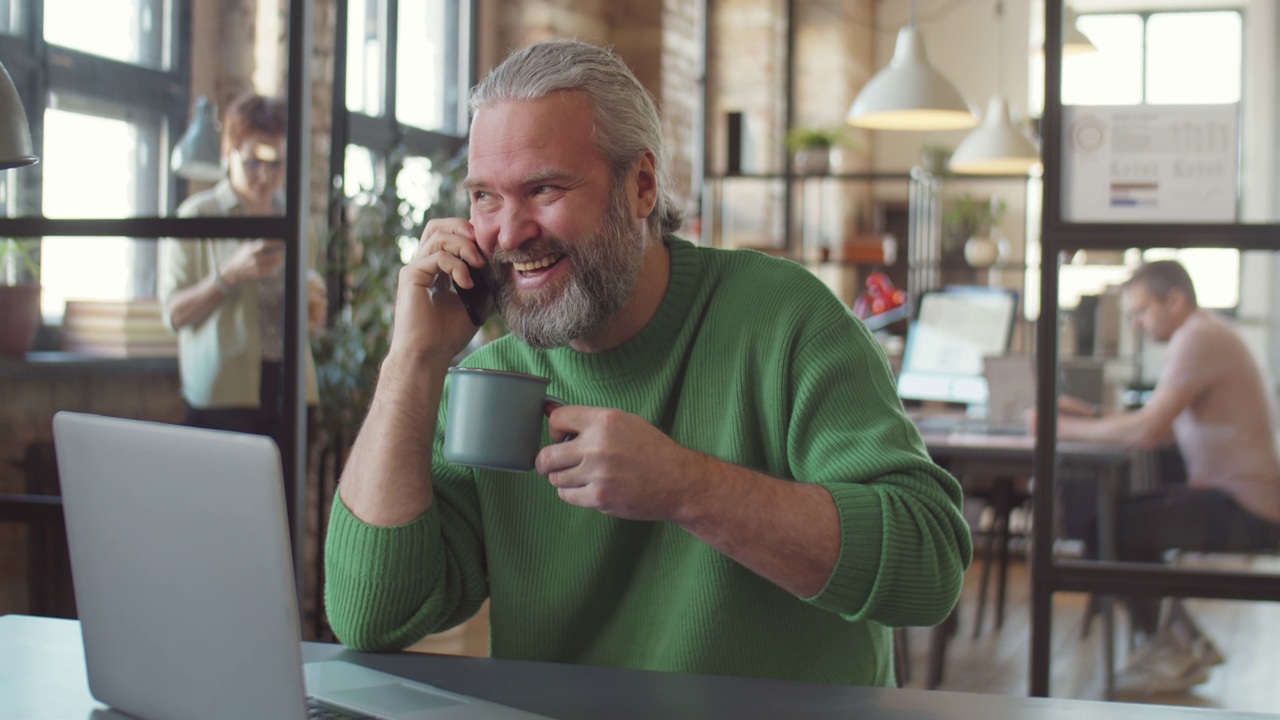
628	127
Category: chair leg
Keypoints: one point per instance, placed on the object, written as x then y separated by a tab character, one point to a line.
1005	511
902	655
938	638
983	583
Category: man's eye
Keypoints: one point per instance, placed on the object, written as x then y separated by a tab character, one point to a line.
544	189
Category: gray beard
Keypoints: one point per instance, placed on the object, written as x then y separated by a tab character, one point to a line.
604	269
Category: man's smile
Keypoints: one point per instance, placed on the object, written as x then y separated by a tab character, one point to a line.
532	266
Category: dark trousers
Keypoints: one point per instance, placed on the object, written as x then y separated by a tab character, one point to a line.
1177	517
1183	518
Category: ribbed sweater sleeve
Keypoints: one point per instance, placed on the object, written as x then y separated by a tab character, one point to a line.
904	543
387	587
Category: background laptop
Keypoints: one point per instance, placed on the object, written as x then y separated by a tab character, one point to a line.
1011	391
184	582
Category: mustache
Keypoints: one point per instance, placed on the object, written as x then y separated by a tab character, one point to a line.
549	246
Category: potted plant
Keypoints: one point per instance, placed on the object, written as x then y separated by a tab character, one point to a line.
812	147
19	296
364	257
968	223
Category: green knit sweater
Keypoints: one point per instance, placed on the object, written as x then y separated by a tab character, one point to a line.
749	359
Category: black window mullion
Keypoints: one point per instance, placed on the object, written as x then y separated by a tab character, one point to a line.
452	63
1146	30
389	47
98	77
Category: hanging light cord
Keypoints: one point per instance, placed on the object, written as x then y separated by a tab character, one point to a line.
1000	47
914	20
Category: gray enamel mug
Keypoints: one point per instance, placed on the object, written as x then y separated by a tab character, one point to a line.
494	418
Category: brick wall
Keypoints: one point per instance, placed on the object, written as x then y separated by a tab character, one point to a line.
26	417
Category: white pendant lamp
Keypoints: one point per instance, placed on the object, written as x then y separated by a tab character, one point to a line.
909	94
996	147
198	155
15	134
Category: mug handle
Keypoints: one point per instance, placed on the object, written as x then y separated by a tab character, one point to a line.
553	400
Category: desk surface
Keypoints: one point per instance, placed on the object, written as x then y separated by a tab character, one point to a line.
42	678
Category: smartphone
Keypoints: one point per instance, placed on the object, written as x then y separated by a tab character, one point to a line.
475	299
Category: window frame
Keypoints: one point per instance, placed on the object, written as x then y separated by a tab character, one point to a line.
1145	17
1109	236
384	135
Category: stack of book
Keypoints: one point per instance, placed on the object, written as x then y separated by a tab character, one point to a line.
117	328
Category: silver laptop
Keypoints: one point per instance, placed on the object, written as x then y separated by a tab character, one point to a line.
184	582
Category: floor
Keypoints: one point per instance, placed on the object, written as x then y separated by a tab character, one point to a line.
997	660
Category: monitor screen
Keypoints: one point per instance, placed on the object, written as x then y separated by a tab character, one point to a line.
954	330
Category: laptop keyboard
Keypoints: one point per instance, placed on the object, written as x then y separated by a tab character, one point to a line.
317	711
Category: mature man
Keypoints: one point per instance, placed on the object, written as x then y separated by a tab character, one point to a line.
735	490
1212	400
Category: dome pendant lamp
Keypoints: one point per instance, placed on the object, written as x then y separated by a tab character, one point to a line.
15	134
909	94
996	147
198	154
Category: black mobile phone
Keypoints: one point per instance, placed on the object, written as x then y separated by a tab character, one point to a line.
475	299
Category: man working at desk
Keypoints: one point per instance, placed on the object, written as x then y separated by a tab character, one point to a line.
728	496
1212	400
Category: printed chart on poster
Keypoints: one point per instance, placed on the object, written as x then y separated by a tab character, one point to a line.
1150	163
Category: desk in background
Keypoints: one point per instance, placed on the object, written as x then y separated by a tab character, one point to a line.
1004	460
42	678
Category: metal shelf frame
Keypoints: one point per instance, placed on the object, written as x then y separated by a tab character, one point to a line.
1049	575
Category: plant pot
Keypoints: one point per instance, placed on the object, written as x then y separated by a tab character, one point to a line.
813	161
981	252
19	318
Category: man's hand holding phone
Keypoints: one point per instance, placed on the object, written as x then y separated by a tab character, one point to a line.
431	322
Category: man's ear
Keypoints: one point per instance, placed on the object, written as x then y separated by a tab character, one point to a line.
643	185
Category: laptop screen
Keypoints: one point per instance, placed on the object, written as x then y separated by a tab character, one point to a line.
952	333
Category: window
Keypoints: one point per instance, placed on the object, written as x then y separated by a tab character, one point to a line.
130	31
1155	58
424	66
10	16
408	68
366	28
104	98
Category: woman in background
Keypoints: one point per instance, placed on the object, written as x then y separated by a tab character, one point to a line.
225	297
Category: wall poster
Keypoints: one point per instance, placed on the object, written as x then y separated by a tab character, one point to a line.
1151	163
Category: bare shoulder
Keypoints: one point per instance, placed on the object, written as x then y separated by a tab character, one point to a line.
1208	340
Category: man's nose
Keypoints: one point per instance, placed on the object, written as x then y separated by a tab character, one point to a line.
516	226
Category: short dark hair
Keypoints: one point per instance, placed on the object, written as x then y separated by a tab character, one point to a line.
1162	276
254	113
